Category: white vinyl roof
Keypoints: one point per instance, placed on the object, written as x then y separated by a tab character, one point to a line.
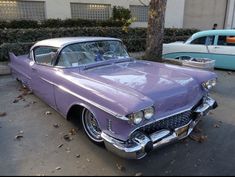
61	42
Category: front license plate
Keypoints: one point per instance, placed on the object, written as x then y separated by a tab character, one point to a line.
182	131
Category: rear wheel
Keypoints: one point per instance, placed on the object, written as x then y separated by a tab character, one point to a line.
91	126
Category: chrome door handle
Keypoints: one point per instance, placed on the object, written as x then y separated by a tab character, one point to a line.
216	47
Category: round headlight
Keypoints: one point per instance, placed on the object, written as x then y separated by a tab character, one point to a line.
213	83
209	84
137	118
148	113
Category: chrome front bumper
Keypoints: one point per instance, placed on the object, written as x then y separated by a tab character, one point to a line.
140	145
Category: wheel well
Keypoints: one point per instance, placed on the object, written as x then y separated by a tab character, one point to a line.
75	113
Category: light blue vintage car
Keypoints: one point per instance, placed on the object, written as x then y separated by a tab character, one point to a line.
218	45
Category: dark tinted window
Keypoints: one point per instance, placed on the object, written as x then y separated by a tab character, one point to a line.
207	40
226	40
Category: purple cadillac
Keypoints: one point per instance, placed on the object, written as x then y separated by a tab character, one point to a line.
131	106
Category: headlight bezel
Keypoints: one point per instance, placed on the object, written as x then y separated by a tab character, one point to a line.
148	115
138	117
208	85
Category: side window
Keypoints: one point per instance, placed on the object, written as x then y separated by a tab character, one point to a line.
207	40
45	55
226	40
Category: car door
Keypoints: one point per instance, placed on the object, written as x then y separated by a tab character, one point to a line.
224	52
203	44
43	74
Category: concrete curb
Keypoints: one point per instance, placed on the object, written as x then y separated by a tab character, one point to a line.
4	68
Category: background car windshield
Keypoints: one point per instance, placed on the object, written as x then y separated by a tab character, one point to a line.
91	52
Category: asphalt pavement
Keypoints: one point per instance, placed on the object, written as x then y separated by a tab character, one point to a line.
33	141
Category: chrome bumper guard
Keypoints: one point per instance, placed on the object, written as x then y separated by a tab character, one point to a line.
140	145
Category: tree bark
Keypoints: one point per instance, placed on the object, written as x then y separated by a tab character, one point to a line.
155	34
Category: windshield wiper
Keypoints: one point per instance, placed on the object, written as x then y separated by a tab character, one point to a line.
95	66
124	60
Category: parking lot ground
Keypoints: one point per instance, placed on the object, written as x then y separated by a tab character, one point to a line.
40	148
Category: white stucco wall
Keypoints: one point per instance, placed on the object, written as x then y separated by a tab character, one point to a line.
230	21
203	14
175	13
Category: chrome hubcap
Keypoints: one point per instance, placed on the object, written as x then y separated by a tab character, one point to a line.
91	126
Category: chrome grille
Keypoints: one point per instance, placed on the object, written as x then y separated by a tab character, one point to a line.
170	123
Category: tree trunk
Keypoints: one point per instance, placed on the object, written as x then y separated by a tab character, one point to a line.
155	34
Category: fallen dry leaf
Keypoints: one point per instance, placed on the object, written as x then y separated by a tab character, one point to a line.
198	137
229	73
138	174
2	114
67	138
16	101
172	162
20	97
48	113
121	168
60	146
72	132
78	156
68	150
58	168
56	126
197	130
216	126
27	105
30	92
19	137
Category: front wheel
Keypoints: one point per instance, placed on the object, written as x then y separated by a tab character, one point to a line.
91	127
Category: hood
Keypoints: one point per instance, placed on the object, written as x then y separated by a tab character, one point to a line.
169	89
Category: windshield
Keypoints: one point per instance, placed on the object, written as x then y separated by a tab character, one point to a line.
91	52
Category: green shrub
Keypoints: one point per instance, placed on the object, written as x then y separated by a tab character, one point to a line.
22	24
121	14
51	23
58	23
20	40
16	48
3	24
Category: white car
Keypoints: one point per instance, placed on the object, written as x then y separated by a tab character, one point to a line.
218	45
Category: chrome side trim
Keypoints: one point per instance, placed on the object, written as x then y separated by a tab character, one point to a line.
50	82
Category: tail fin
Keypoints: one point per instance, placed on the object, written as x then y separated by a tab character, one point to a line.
12	57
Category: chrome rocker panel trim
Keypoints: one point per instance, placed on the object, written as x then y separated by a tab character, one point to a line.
142	144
